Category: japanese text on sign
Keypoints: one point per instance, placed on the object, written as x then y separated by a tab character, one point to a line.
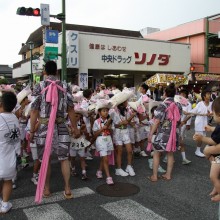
163	59
116	59
98	46
72	44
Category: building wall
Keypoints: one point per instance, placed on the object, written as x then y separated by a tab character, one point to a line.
194	34
183	30
118	53
214	65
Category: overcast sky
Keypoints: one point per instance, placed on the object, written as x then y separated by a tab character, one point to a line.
120	14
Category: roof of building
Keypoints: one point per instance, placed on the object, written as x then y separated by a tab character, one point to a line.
5	69
37	36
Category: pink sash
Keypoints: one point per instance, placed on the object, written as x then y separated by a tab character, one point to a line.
173	115
52	97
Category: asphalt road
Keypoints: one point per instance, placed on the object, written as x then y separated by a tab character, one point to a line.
185	197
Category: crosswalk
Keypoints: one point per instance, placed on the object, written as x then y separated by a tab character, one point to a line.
125	209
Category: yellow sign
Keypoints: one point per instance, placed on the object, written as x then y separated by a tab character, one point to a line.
167	78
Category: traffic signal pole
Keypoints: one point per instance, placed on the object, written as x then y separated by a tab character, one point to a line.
64	75
62	17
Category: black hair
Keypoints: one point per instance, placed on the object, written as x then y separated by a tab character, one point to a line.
87	93
145	86
203	93
216	105
51	68
122	109
9	101
170	90
152	110
184	91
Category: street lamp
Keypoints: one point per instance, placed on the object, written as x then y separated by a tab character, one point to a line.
31	47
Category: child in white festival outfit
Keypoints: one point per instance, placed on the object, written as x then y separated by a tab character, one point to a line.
75	147
10	145
202	111
104	145
213	152
184	93
121	137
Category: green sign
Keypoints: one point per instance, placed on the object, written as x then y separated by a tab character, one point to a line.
36	78
51	53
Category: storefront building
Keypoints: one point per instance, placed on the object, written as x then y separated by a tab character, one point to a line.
204	37
94	57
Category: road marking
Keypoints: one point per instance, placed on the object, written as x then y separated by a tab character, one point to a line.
51	212
130	210
58	196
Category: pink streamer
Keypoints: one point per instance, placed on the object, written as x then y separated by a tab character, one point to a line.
111	157
52	97
173	115
149	147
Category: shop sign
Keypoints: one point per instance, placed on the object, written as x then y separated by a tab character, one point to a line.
116	59
98	46
207	77
72	45
167	78
162	59
140	59
83	80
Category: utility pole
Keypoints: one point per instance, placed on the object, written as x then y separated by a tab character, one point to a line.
64	74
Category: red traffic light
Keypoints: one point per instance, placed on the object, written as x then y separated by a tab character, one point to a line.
36	12
192	68
28	11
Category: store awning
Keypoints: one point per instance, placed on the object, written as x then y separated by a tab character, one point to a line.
164	79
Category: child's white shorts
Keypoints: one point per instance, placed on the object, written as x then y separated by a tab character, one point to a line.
121	137
104	145
74	152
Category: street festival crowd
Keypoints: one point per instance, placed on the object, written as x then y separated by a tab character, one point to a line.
59	118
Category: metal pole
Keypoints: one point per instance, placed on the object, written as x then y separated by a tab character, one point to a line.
63	75
31	76
207	46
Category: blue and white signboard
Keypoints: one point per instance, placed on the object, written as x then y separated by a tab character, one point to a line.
52	36
45	14
72	46
83	80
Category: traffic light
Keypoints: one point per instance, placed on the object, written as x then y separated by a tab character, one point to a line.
28	11
192	68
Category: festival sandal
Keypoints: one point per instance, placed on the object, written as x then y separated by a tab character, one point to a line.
216	198
47	195
165	178
68	196
151	179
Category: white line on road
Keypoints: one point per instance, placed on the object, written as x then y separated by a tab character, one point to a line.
58	196
51	212
130	210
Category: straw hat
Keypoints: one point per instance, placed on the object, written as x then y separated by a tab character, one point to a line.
137	106
183	101
78	97
75	88
120	98
23	94
80	110
103	103
214	89
27	109
115	91
92	107
152	104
